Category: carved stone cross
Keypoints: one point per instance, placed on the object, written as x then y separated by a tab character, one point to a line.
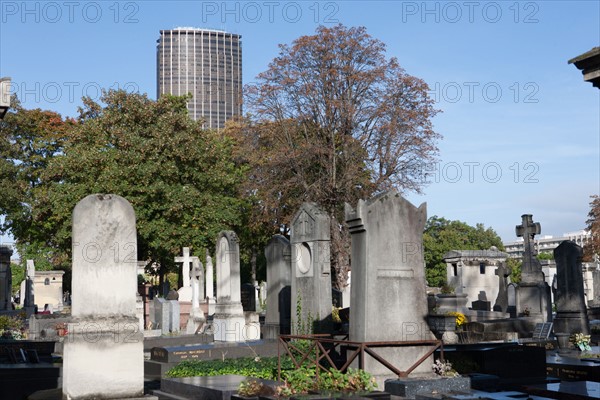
185	269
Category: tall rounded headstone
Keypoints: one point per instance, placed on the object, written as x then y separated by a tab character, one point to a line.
103	351
229	321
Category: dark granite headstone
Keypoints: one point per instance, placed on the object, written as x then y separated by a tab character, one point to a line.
481	305
571	316
248	297
285	310
336	297
5	278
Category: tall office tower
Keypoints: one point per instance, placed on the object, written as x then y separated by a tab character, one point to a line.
206	63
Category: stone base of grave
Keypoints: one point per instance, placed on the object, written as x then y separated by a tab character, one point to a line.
196	322
567	323
103	358
534	297
185	294
57	394
210	306
272	331
409	388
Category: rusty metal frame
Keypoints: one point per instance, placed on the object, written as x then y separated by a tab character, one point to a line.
360	348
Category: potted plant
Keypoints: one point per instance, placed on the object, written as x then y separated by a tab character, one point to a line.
581	341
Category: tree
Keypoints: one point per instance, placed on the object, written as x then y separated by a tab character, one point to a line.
179	178
29	140
442	235
334	121
592	247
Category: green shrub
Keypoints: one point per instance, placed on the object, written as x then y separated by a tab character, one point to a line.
259	367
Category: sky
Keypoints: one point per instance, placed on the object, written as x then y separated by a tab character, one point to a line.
520	127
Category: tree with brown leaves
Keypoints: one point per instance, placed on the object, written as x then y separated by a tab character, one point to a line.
332	121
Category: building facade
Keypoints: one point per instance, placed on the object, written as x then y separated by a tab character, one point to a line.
205	63
546	244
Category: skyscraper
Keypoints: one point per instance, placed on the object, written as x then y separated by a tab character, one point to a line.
206	63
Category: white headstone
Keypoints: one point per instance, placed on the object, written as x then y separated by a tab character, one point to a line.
229	323
196	319
185	292
210	282
103	351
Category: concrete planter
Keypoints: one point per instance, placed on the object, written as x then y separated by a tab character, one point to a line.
451	302
441	323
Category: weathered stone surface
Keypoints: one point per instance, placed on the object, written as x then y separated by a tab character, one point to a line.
311	269
501	304
389	298
105	328
279	279
229	322
409	388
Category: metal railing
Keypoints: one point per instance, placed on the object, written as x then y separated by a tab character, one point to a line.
322	345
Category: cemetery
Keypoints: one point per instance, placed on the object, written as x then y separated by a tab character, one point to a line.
222	339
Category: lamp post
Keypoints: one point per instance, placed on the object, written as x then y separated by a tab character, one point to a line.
4	96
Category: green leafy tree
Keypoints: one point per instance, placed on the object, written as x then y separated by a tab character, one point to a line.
333	121
442	235
179	178
592	247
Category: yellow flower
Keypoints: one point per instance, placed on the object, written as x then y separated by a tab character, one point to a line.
461	318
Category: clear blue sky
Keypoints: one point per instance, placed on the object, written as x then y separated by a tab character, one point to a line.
521	129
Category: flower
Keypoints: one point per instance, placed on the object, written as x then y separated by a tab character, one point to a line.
444	368
580	340
461	318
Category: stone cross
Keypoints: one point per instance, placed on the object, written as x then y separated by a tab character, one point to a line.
185	268
29	300
501	303
531	270
197	282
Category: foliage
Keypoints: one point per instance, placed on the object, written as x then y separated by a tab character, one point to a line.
446	289
252	388
444	368
263	367
303	380
442	235
592	247
12	327
333	121
335	314
461	318
515	265
179	178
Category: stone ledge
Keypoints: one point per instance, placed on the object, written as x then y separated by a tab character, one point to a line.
410	387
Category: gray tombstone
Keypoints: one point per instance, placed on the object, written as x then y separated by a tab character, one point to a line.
159	315
5	278
501	303
389	298
228	321
210	285
571	315
311	269
596	283
196	319
29	301
279	277
533	293
104	326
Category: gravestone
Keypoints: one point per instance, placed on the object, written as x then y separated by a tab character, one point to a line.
511	294
533	298
196	319
571	316
389	298
210	285
159	315
5	278
311	269
481	305
229	322
104	328
279	278
185	291
262	297
29	301
248	297
501	304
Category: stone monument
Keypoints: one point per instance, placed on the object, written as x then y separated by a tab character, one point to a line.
311	269
389	298
228	322
103	352
501	304
196	320
5	278
571	316
185	291
279	279
29	301
210	285
533	297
